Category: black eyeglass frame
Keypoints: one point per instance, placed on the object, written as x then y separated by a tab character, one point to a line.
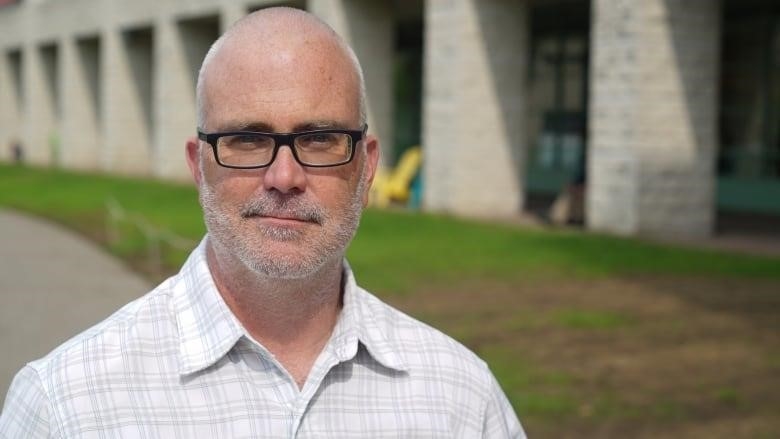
281	139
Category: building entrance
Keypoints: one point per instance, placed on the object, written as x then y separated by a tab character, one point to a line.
749	155
558	78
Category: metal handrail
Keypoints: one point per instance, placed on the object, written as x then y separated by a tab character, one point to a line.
153	234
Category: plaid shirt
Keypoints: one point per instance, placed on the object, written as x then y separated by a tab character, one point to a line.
176	363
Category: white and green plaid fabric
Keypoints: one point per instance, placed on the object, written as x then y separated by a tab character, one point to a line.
177	364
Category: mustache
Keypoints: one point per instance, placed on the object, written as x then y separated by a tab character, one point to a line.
283	206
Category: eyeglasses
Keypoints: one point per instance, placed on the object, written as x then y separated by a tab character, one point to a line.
317	148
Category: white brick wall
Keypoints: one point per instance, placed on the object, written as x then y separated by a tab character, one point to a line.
474	106
653	117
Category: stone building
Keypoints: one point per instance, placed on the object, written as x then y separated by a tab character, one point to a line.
667	110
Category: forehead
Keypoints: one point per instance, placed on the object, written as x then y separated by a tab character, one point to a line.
281	82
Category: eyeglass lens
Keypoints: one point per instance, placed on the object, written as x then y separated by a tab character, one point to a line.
248	150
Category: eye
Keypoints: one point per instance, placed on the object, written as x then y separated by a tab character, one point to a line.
319	140
247	142
249	138
323	138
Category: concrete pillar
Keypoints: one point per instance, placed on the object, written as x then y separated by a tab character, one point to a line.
475	106
128	134
174	99
179	51
12	22
653	111
230	12
10	102
367	26
80	129
39	124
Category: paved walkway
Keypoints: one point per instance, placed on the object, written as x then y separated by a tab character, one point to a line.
53	285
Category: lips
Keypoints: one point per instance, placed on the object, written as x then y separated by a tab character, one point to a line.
284	217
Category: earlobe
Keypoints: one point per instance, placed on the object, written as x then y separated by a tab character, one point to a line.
193	159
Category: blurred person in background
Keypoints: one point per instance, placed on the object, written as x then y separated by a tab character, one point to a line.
17	152
264	331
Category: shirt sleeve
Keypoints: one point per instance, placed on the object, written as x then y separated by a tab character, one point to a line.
26	409
500	418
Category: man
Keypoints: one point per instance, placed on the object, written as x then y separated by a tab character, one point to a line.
264	332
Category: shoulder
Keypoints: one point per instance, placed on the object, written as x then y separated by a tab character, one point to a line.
425	349
59	388
141	324
445	375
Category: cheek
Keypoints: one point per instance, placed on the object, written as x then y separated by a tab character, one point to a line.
230	185
333	192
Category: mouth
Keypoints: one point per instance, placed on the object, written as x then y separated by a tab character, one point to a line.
281	219
293	212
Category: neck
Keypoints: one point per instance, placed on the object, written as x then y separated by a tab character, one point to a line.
292	318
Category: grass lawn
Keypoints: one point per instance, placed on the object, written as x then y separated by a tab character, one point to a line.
589	335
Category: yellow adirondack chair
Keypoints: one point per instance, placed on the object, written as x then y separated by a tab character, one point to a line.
394	185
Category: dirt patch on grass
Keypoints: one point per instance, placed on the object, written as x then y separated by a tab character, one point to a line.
629	357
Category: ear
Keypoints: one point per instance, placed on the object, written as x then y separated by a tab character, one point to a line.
372	162
193	159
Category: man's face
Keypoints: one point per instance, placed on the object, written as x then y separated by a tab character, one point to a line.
285	220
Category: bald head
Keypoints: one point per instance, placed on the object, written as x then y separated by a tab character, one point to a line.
274	40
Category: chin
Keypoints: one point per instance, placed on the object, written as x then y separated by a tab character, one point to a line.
282	234
281	259
286	268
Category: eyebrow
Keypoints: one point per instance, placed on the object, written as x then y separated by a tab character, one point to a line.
263	127
249	126
321	125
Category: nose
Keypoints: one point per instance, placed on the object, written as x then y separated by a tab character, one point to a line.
285	174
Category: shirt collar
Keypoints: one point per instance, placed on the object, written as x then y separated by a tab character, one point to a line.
207	327
208	330
361	320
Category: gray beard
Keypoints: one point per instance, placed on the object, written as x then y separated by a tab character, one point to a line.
229	231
